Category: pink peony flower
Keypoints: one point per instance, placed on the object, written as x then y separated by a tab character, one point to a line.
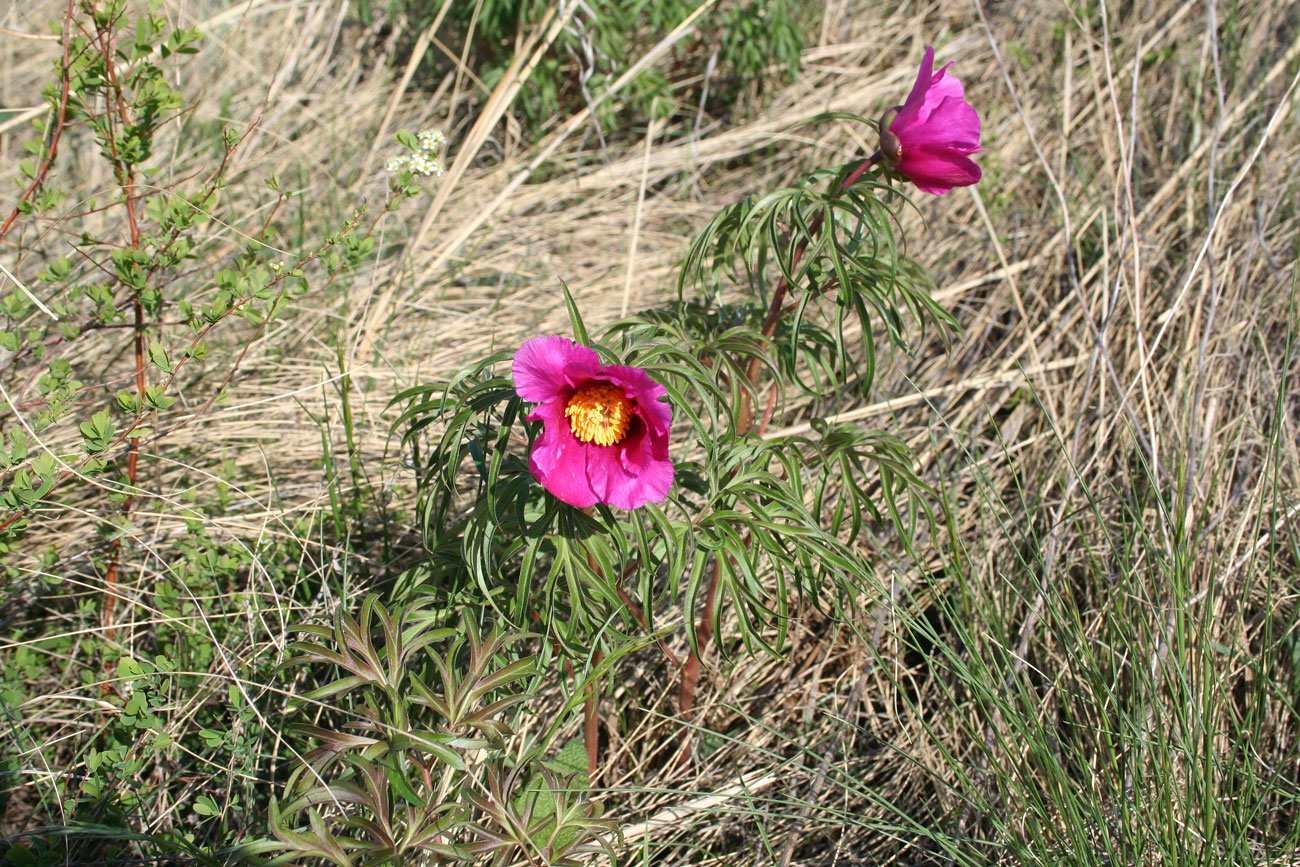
929	140
604	429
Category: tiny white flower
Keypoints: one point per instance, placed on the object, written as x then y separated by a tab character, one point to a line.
425	160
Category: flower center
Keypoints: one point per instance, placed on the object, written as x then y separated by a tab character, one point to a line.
599	413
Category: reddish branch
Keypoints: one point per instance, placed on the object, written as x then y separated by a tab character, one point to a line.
776	310
60	119
590	717
125	173
132	465
645	624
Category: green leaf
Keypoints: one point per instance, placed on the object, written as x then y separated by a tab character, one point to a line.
19	440
579	329
128	668
407	139
21	856
571	760
155	398
158	357
137	705
44	465
129	402
404	788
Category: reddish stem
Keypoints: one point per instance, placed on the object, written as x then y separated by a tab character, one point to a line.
61	118
775	310
645	624
703	635
132	466
126	179
767	413
590	711
591	721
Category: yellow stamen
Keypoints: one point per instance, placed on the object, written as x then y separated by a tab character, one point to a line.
599	413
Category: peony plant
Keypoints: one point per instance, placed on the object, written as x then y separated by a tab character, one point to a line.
686	459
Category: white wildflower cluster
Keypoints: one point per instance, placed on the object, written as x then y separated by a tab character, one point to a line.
424	160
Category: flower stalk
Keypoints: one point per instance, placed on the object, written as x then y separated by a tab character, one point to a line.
776	309
928	141
694	667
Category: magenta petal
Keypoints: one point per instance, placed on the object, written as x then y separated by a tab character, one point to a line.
559	459
645	392
942	86
631	474
916	98
939	171
953	122
547	367
929	91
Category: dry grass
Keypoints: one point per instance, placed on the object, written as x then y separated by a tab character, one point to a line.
1121	407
